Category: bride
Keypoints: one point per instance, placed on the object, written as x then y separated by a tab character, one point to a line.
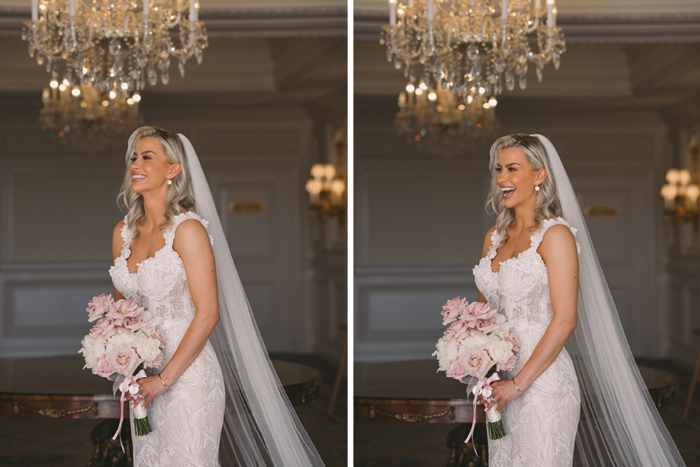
171	256
575	393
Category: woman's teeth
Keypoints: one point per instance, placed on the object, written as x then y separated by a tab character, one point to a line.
507	192
137	178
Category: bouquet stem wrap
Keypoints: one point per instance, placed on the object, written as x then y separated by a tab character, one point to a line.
130	384
493	418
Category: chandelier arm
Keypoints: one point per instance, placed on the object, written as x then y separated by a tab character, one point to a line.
534	26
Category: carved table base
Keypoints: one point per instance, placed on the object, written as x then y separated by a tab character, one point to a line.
108	451
463	455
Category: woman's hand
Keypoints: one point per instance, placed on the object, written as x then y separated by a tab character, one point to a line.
503	391
150	387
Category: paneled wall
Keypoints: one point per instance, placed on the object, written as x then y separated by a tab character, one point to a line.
420	223
57	211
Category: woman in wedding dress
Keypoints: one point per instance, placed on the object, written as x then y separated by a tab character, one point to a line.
164	260
534	271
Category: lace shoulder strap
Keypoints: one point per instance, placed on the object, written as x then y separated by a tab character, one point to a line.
127	237
539	235
169	233
495	241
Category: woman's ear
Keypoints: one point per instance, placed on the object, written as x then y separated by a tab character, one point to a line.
175	169
542	175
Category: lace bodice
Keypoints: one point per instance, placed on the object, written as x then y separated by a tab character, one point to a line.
520	288
159	283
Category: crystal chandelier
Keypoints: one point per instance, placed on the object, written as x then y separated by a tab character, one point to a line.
89	120
680	195
114	45
461	45
438	119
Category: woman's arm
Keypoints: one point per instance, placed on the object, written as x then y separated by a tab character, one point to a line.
192	244
558	250
487	247
116	251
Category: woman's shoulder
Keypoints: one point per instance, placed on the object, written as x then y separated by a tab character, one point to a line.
557	233
190	226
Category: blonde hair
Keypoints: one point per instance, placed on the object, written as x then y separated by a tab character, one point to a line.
180	193
547	203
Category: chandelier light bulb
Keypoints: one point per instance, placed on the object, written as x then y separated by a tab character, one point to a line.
673	176
470	99
136	97
432	96
125	86
62	87
130	101
487	105
112	94
410	88
105	103
482	90
75	91
684	177
318	171
493	102
419	91
53	84
461	106
423	86
66	82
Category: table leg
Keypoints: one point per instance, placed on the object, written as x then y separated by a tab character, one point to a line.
108	452
463	455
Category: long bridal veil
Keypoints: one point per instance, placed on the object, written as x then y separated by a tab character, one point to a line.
260	425
620	425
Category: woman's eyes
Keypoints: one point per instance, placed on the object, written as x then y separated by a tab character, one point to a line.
510	169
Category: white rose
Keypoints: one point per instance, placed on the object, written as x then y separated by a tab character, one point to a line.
501	351
441	354
452	351
473	342
88	352
121	339
148	349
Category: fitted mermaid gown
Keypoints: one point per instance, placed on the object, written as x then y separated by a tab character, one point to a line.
187	418
542	423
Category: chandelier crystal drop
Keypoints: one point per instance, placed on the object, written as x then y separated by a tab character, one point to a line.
464	47
437	119
114	44
89	120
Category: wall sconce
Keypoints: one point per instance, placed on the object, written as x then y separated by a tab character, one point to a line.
326	192
680	197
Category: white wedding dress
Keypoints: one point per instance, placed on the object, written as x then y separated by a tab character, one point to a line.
188	417
541	424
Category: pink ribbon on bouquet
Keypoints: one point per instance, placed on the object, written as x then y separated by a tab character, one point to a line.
483	383
123	387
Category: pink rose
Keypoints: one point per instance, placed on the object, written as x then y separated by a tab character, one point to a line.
507	366
456	371
488	325
457	331
98	306
123	360
158	334
103	368
475	362
481	310
452	309
155	363
103	327
134	323
512	337
126	309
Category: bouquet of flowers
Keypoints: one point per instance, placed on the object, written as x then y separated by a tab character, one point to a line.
479	343
120	346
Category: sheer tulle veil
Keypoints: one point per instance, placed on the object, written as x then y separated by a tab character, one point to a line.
261	427
620	425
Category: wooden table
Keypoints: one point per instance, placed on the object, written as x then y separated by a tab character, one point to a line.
58	387
414	392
